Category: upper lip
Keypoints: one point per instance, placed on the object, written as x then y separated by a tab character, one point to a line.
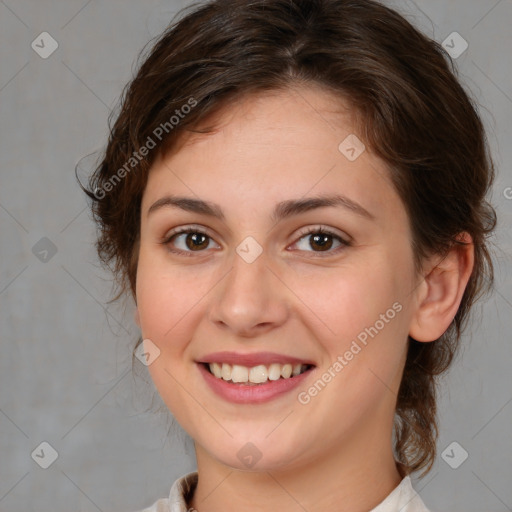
253	359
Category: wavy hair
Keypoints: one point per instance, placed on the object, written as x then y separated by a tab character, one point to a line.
411	111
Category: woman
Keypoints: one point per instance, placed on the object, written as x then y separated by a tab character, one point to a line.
295	200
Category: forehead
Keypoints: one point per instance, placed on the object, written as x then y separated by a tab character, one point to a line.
263	114
273	146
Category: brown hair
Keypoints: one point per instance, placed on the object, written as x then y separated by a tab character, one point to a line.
412	113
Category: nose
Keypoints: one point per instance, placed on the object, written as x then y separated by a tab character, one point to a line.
251	299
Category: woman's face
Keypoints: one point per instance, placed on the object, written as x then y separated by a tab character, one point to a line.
267	278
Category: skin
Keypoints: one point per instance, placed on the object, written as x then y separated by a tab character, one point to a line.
293	299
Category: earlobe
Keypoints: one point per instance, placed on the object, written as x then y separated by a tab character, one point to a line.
136	316
442	291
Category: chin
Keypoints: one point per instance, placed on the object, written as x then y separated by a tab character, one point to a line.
254	455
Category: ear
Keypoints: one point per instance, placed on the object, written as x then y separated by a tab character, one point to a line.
136	316
440	294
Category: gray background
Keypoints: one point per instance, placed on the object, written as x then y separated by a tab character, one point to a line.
65	365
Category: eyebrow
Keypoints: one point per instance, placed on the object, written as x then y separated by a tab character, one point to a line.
281	211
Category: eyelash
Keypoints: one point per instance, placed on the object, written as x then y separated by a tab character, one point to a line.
302	234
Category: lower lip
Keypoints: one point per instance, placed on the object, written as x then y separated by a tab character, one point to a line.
251	394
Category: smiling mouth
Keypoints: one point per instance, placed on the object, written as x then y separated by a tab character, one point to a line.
260	374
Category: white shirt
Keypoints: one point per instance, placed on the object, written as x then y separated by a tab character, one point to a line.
402	499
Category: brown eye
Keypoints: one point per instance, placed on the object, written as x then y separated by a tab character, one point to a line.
188	240
195	241
318	240
323	241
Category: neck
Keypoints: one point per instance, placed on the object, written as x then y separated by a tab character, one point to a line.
355	478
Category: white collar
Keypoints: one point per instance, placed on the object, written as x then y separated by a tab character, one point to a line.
402	499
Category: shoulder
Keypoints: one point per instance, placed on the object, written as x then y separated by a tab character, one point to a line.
403	498
179	495
409	499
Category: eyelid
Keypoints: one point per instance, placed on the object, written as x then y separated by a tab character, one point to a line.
183	230
344	239
319	228
186	228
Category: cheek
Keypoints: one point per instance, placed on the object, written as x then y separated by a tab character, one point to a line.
166	295
165	301
360	315
345	300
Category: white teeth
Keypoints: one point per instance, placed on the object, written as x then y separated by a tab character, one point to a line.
226	371
257	374
239	373
274	371
216	369
286	371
